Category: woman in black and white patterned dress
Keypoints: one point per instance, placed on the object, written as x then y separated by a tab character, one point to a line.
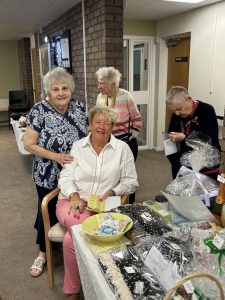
53	125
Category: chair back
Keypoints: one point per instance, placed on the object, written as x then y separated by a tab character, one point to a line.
18	100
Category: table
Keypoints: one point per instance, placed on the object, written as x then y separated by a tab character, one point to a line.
93	281
19	133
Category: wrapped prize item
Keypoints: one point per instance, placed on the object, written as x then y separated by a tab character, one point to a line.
208	248
173	249
189	181
114	276
137	230
136	276
152	224
145	222
168	215
186	230
170	259
203	155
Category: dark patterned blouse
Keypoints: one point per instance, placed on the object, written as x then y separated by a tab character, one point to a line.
57	133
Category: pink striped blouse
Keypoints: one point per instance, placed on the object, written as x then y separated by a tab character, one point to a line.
128	115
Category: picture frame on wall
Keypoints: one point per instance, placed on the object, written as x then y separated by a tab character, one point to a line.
62	51
45	60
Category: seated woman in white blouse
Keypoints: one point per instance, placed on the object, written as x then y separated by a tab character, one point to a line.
103	166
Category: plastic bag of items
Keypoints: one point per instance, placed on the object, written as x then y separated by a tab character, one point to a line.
207	259
172	249
170	259
189	180
208	248
127	275
144	221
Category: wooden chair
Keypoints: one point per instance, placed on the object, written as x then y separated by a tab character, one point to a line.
56	233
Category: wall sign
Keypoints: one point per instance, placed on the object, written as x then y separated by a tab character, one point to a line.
182	59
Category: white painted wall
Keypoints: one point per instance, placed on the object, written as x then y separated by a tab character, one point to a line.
207	53
4	103
206	27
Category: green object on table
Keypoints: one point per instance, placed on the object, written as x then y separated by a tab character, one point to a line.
159	211
214	250
217	208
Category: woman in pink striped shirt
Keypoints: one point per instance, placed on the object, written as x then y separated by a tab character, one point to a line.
129	120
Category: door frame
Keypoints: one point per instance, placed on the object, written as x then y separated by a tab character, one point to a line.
151	84
161	86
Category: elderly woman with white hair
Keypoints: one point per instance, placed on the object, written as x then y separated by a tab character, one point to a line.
189	115
53	124
104	166
129	120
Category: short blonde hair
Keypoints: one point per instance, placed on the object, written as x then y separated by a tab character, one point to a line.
177	92
56	76
109	74
105	110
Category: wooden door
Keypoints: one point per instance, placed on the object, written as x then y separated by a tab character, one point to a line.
178	67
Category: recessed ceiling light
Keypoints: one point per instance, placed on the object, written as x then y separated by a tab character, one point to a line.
185	1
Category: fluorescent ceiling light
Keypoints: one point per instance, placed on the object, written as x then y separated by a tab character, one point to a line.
186	1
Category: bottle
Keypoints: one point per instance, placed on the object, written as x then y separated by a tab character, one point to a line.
223	215
220	198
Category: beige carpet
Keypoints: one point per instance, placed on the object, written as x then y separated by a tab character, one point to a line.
17	213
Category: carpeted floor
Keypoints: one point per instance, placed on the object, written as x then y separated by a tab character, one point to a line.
18	206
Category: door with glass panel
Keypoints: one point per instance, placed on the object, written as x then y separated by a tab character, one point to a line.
137	76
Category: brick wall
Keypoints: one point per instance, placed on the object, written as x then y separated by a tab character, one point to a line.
104	41
24	58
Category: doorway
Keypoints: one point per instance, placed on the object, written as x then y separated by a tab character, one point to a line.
178	66
138	75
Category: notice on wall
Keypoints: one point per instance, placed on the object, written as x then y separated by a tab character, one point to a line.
182	59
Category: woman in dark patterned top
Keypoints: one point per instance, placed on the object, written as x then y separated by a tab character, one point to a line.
53	125
188	115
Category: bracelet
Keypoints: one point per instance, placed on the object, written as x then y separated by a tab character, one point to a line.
72	194
113	192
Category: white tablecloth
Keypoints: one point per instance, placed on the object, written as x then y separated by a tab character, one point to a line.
94	284
19	133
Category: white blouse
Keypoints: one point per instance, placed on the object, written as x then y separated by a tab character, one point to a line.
112	169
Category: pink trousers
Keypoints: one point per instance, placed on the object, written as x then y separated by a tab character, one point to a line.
72	283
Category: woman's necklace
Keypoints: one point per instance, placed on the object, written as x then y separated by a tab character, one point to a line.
113	99
186	128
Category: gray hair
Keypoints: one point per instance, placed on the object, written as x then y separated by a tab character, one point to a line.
109	74
56	76
176	92
105	110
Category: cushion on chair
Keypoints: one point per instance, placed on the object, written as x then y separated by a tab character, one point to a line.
56	233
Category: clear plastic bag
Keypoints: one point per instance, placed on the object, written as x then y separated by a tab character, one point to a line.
128	276
207	256
203	155
189	181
